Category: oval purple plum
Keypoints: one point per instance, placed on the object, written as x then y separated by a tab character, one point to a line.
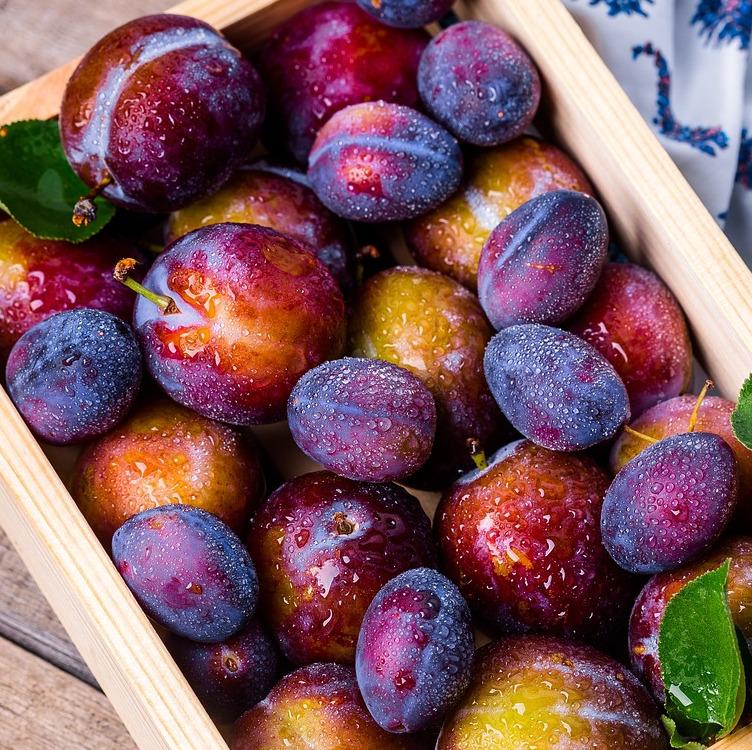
554	388
541	262
188	570
406	14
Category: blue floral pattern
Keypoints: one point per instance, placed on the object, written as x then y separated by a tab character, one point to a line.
744	168
628	7
726	20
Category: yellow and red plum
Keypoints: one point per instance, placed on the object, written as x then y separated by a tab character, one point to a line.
648	611
429	324
543	260
39	278
165	454
670	503
497	181
256	310
635	322
260	196
406	14
188	570
327	57
74	376
534	692
415	651
380	161
522	541
160	112
324	545
364	419
315	706
555	388
232	676
479	83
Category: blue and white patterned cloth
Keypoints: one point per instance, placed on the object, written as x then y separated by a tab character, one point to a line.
686	66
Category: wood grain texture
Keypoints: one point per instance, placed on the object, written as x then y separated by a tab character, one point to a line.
43	708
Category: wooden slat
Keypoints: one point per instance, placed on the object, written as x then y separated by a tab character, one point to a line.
43	708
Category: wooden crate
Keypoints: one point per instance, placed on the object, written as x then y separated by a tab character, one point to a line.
657	216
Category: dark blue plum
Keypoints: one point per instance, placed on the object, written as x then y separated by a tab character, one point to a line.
479	83
414	657
406	14
670	502
74	376
364	419
231	676
188	570
555	388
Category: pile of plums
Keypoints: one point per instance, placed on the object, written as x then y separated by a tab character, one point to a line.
333	612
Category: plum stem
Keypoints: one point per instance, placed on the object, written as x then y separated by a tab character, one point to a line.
641	435
477	453
85	210
700	398
122	272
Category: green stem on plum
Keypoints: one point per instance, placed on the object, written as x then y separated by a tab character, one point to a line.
85	210
477	453
700	398
641	435
122	273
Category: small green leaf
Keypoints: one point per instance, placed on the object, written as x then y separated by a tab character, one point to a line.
38	188
676	740
741	418
701	664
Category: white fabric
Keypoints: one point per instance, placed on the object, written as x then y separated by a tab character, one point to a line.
685	65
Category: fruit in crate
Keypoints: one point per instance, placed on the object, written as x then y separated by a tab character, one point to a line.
327	57
188	570
166	454
234	315
540	263
521	538
231	676
647	615
479	83
406	14
530	693
379	161
363	419
74	376
554	388
39	278
432	326
160	112
635	322
415	651
324	545
316	706
260	196
497	181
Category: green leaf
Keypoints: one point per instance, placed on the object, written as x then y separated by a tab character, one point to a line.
741	417
38	188
701	664
676	740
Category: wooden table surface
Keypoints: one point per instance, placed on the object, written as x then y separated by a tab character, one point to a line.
48	698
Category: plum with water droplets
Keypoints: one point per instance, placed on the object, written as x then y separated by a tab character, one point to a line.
160	112
521	538
324	545
380	161
406	14
497	181
240	313
536	692
325	58
670	503
188	570
363	419
554	388
166	454
479	83
231	676
635	322
75	376
542	261
415	651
